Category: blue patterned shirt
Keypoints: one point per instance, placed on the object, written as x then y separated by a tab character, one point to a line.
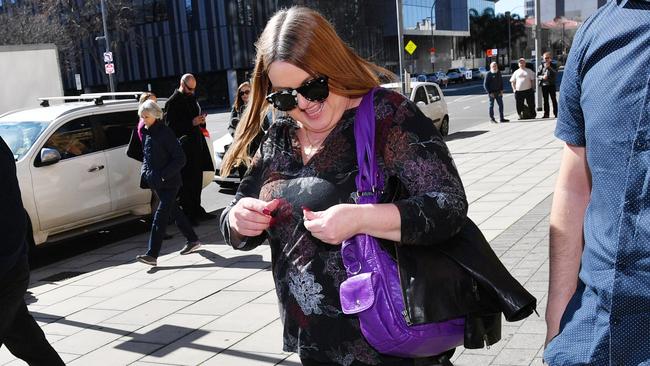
605	107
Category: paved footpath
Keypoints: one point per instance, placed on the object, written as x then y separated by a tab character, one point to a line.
218	306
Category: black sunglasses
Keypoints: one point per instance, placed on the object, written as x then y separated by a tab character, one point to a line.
314	90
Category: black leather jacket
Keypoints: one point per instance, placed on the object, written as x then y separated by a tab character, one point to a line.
462	277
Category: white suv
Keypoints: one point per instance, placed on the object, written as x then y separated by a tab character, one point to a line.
429	98
72	167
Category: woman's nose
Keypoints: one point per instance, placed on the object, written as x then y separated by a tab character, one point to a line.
303	103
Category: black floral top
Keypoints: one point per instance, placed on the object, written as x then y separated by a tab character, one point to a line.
421	180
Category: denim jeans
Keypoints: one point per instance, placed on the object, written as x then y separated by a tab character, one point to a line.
499	99
168	209
18	329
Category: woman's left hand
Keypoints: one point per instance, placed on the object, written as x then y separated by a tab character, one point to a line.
332	226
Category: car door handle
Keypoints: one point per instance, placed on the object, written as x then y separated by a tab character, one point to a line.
95	168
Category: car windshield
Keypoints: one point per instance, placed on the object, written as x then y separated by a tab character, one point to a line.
20	136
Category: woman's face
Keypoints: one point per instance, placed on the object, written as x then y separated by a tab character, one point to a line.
148	119
315	116
245	92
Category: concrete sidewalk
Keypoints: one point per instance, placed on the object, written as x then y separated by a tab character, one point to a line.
218	306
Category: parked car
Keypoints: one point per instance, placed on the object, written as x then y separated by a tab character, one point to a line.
479	73
72	167
429	98
442	79
456	76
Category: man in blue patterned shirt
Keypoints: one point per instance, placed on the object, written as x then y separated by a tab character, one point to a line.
598	310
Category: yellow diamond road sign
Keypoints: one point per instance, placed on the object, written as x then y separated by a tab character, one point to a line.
410	47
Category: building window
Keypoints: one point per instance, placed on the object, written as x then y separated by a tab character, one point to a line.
150	11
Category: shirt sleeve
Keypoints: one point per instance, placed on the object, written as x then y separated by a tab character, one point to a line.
413	151
571	122
512	77
249	187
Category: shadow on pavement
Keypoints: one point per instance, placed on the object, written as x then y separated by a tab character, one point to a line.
463	135
252	260
166	335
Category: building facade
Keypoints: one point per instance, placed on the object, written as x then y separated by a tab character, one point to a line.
214	39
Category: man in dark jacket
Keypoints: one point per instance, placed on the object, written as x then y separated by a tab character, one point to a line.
163	160
547	76
18	330
183	115
493	85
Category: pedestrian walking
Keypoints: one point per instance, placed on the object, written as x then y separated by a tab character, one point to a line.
183	115
493	85
163	161
19	332
523	81
296	192
598	310
547	76
243	95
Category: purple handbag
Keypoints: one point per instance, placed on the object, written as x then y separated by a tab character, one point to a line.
373	291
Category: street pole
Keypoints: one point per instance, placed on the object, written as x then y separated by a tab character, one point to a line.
509	40
400	45
433	64
108	43
538	28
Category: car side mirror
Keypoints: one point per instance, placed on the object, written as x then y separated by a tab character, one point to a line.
420	104
434	98
49	156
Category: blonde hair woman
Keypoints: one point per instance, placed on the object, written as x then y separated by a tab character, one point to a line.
297	190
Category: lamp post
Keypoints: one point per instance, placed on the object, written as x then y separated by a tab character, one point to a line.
111	82
400	45
433	65
509	17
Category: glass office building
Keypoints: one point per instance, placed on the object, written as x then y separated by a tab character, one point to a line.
480	6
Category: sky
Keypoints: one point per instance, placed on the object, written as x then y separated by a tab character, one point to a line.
508	5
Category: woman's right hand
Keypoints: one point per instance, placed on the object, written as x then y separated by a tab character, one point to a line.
250	216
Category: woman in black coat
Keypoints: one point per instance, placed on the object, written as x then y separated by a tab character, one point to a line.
161	167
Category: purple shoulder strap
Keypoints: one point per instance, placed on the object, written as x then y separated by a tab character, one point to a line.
368	179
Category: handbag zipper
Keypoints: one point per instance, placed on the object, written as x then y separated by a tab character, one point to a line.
405	312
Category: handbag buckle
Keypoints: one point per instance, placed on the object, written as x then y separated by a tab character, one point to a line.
357	194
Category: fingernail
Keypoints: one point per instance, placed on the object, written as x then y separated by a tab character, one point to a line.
266	211
305	208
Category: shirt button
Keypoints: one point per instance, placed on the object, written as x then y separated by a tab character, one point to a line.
640	145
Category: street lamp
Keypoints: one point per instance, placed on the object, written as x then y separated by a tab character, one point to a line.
433	64
106	39
508	16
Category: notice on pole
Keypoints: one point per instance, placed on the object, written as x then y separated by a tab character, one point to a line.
108	57
110	68
410	47
77	80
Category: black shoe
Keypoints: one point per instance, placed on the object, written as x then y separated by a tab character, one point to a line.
504	120
493	120
190	247
147	259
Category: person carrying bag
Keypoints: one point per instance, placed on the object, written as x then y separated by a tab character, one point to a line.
423	301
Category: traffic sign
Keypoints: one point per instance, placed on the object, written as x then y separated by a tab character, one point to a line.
108	57
410	47
468	75
110	68
492	52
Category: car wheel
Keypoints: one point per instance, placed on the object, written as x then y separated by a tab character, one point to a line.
444	126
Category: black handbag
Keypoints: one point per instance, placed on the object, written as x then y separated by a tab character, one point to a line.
134	149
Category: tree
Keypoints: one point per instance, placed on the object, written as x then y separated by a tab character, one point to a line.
489	31
70	24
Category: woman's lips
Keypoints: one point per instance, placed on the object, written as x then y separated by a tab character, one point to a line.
314	112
